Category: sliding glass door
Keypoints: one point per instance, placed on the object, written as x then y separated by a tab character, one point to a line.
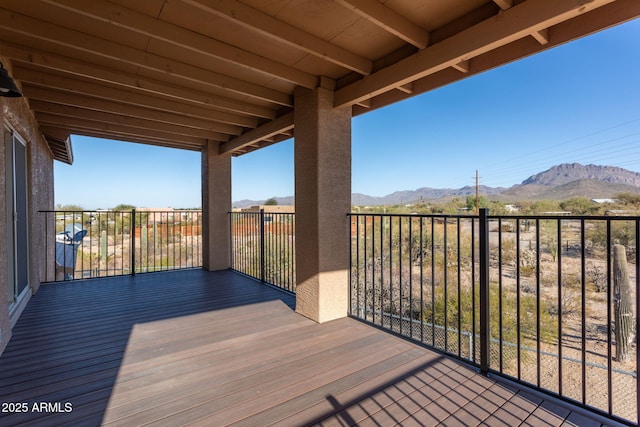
16	214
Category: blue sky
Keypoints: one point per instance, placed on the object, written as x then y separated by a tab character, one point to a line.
579	102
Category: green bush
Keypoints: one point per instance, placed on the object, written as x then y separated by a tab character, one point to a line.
528	310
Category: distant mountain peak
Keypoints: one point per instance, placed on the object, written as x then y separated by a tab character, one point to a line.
557	183
568	172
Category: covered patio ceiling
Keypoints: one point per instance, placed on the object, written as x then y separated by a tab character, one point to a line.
183	73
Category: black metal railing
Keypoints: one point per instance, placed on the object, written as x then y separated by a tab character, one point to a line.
534	299
87	244
263	247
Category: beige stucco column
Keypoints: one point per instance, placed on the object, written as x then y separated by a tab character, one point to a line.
323	198
216	205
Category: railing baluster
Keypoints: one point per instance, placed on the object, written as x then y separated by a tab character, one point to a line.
132	240
637	287
380	299
433	283
518	311
538	274
262	248
445	268
560	303
458	261
485	356
609	303
421	280
500	298
583	306
410	277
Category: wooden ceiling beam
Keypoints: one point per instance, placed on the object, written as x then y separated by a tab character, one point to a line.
512	24
121	136
609	15
128	97
81	101
389	20
72	40
118	119
184	39
257	21
541	36
278	126
504	4
408	89
132	138
92	125
462	66
51	61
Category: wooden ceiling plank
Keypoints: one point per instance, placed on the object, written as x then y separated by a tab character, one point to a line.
255	20
183	38
124	96
512	24
387	19
280	125
57	97
91	71
75	40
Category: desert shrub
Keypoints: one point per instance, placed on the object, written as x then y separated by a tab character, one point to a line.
528	313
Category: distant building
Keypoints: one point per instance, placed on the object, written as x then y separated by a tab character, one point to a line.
159	215
271	209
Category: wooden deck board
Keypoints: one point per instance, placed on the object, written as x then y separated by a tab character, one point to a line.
201	348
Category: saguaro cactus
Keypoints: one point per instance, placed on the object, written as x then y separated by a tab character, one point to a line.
623	311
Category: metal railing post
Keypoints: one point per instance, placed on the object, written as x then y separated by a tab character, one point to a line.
262	245
231	243
485	335
132	238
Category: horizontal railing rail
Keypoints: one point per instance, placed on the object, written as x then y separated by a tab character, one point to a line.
87	244
549	301
263	247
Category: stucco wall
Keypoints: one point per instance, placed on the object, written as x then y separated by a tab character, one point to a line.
15	113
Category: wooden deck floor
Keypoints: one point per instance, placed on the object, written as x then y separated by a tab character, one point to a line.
213	349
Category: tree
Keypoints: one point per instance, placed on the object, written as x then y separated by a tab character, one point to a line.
544	206
123	207
482	202
628	199
60	207
579	206
497	208
271	202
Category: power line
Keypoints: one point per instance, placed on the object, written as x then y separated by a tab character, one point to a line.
622	150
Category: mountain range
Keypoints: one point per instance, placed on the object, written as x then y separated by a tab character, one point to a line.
556	183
